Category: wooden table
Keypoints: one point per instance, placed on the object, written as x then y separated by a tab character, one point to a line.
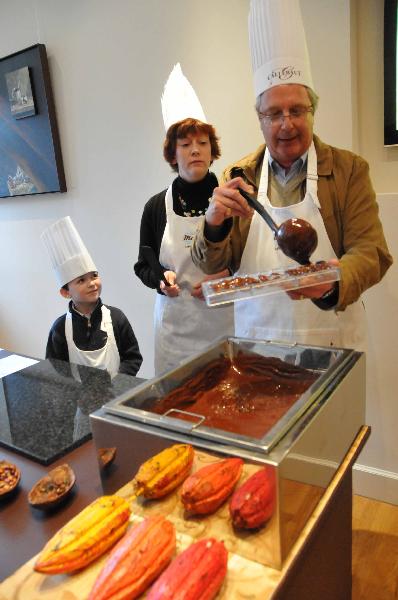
25	530
318	567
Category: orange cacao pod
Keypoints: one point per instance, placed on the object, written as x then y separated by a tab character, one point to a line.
162	473
137	559
195	574
252	504
204	491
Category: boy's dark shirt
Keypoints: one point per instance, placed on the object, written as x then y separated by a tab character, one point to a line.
87	335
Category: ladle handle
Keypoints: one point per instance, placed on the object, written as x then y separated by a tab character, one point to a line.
254	203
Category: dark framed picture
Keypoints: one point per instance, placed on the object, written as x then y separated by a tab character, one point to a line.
390	73
20	93
30	150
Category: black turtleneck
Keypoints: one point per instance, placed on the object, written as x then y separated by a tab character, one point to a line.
195	197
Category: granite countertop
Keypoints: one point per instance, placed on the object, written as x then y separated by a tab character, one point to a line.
44	408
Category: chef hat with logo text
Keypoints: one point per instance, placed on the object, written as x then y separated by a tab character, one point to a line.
179	100
278	44
68	254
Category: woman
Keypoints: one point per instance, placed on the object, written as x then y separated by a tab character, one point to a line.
184	325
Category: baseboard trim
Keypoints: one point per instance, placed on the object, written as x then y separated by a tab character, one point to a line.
375	483
371	482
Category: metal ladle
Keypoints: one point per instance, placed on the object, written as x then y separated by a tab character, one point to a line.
295	237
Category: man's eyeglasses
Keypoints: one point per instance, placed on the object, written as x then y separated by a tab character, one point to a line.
295	114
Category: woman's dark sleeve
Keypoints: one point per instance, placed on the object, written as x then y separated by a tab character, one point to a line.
153	223
127	345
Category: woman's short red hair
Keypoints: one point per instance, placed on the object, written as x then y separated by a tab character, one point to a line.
180	130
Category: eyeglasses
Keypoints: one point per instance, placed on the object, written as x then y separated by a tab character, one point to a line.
295	114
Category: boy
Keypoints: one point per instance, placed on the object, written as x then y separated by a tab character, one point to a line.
90	333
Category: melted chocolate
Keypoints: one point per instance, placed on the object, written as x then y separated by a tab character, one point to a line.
240	282
246	396
297	239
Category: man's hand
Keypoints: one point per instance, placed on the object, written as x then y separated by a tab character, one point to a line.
314	291
173	289
227	202
197	287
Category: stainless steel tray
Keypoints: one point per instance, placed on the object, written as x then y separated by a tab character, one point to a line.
324	362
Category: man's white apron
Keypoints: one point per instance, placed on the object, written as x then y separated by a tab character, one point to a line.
276	316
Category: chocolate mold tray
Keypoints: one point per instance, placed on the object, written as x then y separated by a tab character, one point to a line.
244	287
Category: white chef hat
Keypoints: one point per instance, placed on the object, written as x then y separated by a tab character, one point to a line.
68	254
179	100
278	45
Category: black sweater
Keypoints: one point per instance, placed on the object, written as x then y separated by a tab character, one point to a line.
87	335
196	197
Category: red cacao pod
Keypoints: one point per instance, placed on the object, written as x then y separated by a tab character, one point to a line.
252	504
195	574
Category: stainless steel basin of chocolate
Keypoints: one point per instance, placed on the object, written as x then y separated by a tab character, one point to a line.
295	408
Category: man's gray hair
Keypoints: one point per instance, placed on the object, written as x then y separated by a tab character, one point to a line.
314	99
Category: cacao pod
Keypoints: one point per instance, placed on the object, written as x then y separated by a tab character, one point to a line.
136	560
86	536
195	574
204	491
163	472
252	504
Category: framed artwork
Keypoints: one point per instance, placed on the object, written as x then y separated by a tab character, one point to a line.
30	149
391	72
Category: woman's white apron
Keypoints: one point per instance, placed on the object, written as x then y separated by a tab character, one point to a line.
105	358
276	316
184	325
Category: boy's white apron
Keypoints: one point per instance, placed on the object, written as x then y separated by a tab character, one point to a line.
105	358
184	325
276	316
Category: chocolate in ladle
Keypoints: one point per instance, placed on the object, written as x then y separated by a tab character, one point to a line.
295	237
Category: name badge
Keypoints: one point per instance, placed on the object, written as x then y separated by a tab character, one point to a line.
188	239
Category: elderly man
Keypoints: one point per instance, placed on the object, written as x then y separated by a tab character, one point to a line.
295	174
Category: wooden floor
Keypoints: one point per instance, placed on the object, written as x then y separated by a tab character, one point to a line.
375	550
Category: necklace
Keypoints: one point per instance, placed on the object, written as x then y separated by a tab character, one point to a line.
192	212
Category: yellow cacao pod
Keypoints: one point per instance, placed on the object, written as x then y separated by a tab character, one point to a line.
86	536
162	473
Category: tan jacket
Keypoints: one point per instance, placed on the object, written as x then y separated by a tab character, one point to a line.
349	211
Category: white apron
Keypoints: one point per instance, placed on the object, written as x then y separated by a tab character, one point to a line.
184	325
105	358
277	317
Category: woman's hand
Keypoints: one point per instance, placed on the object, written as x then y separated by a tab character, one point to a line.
173	289
197	287
227	202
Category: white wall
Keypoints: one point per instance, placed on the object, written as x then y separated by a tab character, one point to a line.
108	64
